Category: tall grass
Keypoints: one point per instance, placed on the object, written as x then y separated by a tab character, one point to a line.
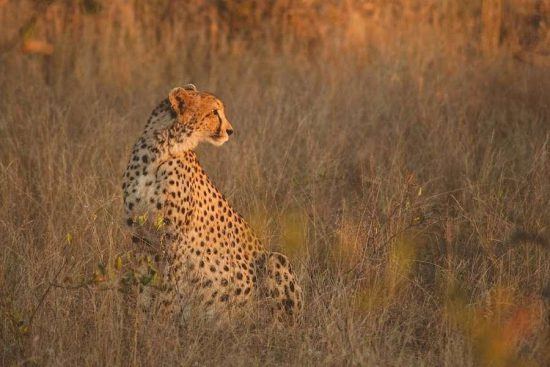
405	175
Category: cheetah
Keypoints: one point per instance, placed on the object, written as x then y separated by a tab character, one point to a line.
206	253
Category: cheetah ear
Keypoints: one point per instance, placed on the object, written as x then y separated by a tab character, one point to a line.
190	87
181	98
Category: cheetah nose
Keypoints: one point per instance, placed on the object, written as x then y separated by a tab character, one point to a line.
229	131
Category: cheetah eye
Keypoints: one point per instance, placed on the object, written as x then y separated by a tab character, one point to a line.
214	112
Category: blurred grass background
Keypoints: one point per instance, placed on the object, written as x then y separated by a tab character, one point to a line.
397	151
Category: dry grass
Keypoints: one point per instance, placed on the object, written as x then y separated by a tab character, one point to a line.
409	184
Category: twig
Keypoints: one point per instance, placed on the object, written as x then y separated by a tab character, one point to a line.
85	285
43	298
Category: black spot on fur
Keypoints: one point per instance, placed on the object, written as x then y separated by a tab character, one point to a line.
288	304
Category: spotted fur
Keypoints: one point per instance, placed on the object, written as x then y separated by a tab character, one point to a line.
206	253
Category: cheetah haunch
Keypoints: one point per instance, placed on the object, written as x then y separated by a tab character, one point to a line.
204	250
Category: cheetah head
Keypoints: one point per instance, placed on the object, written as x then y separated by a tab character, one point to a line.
201	114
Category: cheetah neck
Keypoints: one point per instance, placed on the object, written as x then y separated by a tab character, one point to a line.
162	140
164	137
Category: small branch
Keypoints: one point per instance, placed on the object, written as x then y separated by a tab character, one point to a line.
85	285
43	298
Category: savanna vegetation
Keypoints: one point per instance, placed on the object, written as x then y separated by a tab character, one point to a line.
397	151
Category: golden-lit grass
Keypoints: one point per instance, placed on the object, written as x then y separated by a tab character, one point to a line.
410	188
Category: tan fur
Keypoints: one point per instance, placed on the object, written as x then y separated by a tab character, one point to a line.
207	254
